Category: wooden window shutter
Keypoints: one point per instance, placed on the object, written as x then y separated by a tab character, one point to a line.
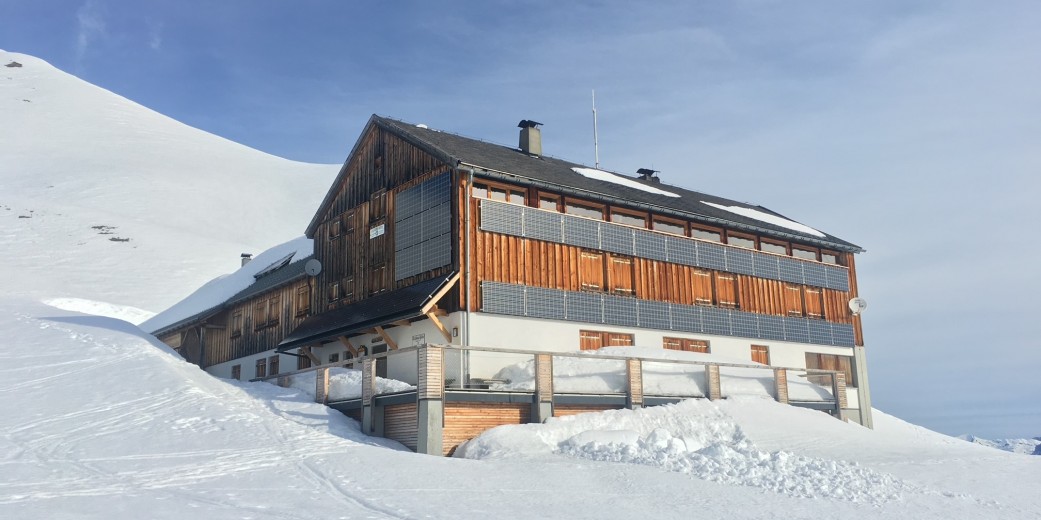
590	340
272	365
793	300
259	314
726	290
261	368
702	287
761	354
303	300
619	340
591	271
621	275
814	302
236	372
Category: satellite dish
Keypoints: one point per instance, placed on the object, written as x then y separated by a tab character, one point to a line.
313	267
857	306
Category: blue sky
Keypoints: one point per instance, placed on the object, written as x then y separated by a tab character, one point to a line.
910	128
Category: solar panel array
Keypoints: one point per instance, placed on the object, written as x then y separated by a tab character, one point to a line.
522	221
423	227
599	308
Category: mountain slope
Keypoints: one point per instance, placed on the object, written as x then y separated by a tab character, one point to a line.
94	186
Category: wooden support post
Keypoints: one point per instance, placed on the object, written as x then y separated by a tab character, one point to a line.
634	383
712	378
306	350
838	390
393	345
781	385
430	392
321	386
440	326
345	341
368	392
543	406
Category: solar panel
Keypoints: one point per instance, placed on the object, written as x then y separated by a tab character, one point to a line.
681	251
617	239
408	202
771	327
620	310
436	191
710	256
820	332
408	262
584	306
838	278
686	318
766	266
795	330
738	260
814	274
501	298
437	252
715	321
744	324
545	303
407	233
543	225
790	270
581	232
653	315
842	334
499	217
649	245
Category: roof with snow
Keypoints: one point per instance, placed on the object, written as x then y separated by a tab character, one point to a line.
493	160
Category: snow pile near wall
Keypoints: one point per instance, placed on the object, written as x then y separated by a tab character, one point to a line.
692	437
345	383
589	375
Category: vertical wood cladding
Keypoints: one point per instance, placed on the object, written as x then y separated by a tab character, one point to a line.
511	259
263	326
355	239
464	421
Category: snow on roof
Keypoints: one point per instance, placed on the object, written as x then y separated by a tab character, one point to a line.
768	218
220	289
601	175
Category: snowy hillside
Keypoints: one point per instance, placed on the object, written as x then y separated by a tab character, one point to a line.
95	187
1024	446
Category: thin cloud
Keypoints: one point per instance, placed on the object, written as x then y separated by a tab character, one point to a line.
155	35
90	25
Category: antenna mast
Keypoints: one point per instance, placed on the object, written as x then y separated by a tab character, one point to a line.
596	144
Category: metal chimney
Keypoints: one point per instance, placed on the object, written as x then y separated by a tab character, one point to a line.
246	257
530	137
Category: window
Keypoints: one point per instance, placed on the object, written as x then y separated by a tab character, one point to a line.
334	228
236	324
773	247
378	279
842	364
620	275
549	202
761	354
381	362
726	290
378	206
595	339
498	192
703	287
261	368
303	362
272	365
814	300
591	270
668	226
706	234
584	210
334	291
628	219
274	310
236	372
686	345
347	288
805	254
793	300
334	357
303	300
829	258
746	242
348	223
479	191
260	314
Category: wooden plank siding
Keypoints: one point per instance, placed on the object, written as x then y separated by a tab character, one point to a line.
464	421
223	344
400	423
355	266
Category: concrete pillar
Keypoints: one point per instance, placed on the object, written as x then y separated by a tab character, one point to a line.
712	378
430	394
368	391
543	406
634	383
781	385
321	386
863	390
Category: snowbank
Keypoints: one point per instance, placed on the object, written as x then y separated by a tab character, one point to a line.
345	383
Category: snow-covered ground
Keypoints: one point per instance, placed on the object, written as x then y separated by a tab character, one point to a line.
1024	446
99	420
